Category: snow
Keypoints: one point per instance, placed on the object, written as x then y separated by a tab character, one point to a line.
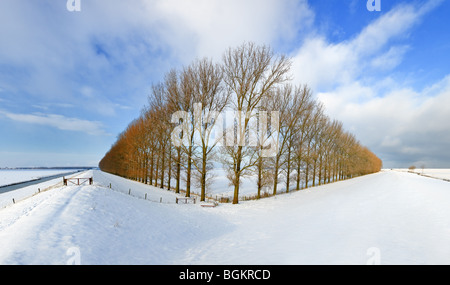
11	176
430	172
438	173
391	217
26	192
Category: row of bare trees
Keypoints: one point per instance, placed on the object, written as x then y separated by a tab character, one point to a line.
277	132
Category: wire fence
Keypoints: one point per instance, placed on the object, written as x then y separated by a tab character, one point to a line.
149	195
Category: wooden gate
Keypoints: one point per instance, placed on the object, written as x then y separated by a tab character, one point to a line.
78	181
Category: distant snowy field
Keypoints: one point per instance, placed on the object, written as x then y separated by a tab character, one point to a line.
391	217
437	173
10	176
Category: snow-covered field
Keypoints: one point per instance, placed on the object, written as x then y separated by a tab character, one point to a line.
11	176
391	217
436	173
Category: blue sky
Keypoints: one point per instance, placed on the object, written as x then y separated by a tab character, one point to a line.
70	82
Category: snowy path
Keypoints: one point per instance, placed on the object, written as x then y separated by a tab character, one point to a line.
390	217
103	225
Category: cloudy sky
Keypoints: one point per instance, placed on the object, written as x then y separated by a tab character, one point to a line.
70	82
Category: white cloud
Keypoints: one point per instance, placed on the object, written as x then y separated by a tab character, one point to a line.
209	27
109	46
391	59
395	23
402	124
324	65
112	45
103	59
58	121
352	79
319	63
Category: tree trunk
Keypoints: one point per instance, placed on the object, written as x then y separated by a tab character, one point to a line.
152	158
156	174
163	166
237	175
146	167
170	168
288	170
275	179
177	187
299	164
259	182
306	175
188	172
203	178
314	173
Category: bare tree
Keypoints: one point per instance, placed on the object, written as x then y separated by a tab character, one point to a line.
254	81
303	129
300	106
175	103
291	103
312	143
158	104
250	72
210	100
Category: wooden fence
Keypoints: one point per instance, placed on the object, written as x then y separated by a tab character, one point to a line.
78	181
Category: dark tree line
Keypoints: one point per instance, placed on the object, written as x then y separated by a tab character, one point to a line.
277	133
